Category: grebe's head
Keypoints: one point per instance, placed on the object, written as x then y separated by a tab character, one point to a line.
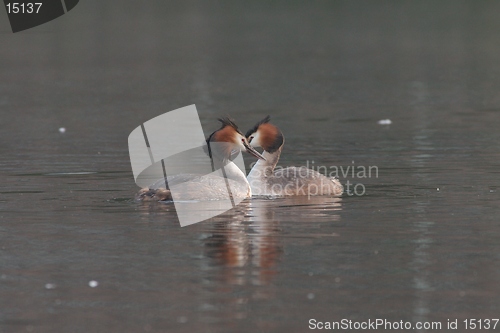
265	135
230	140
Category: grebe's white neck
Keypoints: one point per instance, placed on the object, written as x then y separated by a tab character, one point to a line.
233	172
263	170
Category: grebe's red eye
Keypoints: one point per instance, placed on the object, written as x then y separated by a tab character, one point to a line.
250	140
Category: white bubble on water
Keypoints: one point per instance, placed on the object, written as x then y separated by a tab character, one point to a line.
384	122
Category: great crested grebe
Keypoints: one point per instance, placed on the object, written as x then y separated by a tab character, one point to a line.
265	180
222	145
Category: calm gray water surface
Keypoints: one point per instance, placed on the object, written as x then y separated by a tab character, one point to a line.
422	244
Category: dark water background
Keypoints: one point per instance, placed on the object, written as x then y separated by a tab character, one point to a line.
422	244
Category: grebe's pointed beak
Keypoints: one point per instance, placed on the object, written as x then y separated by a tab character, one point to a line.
253	152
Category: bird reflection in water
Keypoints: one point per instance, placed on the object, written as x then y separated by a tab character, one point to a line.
243	248
247	245
247	242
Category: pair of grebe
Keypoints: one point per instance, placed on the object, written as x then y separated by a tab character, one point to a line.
263	180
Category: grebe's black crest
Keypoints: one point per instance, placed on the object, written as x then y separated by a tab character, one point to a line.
256	127
226	121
